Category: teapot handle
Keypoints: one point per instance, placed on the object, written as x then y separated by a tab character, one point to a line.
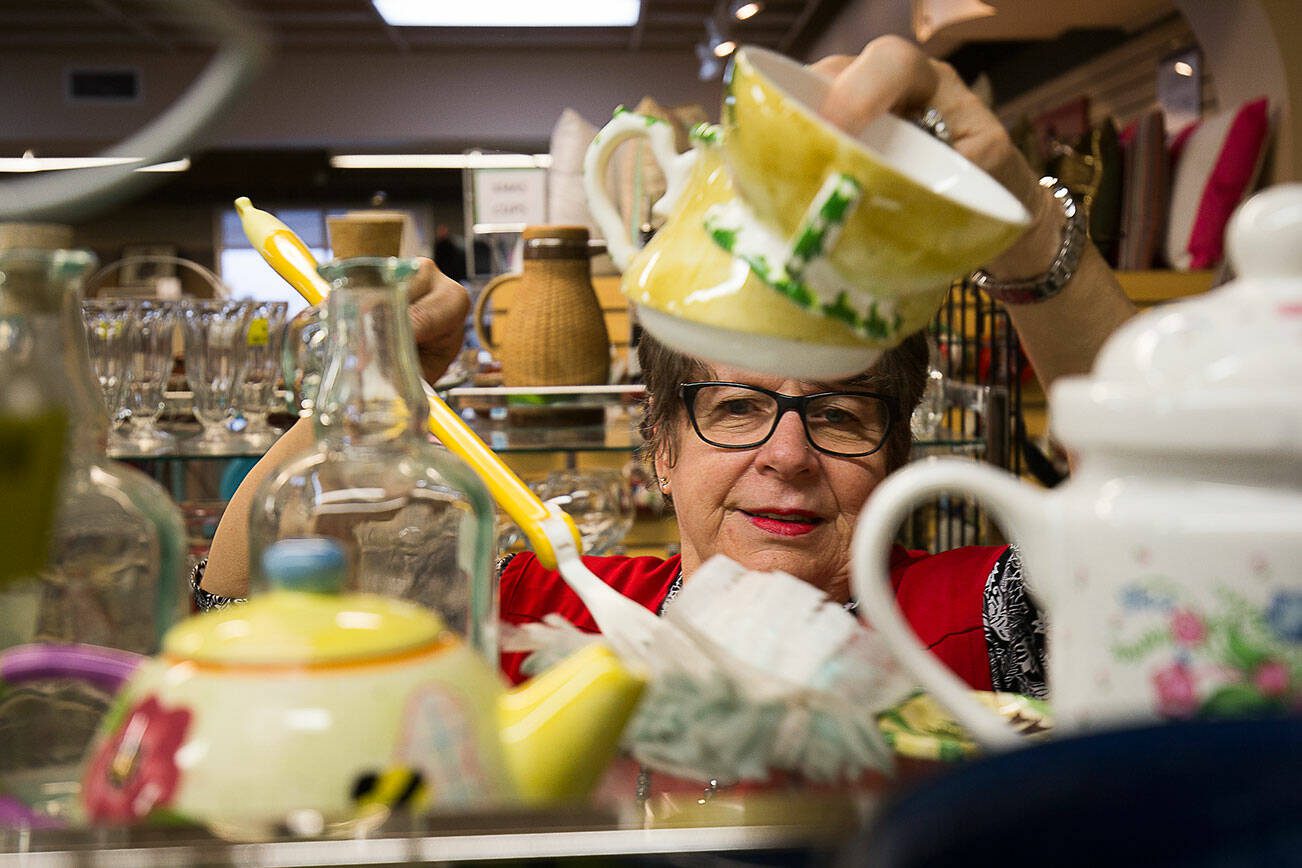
1015	504
626	125
105	668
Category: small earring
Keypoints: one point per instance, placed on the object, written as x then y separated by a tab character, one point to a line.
664	480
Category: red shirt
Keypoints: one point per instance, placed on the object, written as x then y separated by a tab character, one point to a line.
942	596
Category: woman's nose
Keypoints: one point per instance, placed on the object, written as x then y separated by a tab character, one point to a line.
788	450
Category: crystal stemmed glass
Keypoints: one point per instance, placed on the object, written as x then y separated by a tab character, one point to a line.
256	394
153	329
600	502
108	332
215	334
930	412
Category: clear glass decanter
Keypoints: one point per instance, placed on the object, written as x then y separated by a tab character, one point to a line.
302	357
415	521
115	566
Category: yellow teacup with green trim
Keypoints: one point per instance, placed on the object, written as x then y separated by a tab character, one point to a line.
790	246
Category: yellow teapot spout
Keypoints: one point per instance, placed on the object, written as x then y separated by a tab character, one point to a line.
561	729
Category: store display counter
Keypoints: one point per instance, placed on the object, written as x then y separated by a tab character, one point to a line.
439	840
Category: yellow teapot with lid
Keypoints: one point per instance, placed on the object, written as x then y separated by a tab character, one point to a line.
312	712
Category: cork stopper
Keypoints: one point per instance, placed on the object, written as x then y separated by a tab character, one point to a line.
35	236
366	234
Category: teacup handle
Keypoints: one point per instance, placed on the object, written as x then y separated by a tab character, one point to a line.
1014	504
625	125
105	668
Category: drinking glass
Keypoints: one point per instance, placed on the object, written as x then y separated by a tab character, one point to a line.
215	356
256	394
303	356
108	333
599	501
928	416
153	328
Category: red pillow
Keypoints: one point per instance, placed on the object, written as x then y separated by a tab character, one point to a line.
1217	160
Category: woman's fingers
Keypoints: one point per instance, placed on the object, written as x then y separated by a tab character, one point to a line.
438	307
832	65
889	74
892	74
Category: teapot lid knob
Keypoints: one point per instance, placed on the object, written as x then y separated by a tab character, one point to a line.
1265	235
313	564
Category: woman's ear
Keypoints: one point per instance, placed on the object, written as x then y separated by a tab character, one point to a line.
660	465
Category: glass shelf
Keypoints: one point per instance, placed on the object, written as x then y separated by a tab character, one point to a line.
523	420
184	449
773	844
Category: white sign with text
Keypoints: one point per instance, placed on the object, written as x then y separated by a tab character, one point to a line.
506	200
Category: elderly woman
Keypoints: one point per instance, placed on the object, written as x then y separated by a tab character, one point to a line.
773	471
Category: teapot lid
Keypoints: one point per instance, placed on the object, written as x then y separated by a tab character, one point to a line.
304	620
1219	373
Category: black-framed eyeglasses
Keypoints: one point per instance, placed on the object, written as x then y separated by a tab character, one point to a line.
738	416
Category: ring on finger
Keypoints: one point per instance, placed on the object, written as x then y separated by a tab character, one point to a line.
931	121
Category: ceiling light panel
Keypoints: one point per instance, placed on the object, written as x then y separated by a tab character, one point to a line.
509	13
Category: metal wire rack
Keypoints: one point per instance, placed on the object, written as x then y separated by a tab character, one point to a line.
983	368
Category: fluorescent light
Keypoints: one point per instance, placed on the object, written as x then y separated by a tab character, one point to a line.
494	228
509	13
56	164
28	163
440	161
180	165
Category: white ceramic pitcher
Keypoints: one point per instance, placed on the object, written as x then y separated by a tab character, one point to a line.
1169	566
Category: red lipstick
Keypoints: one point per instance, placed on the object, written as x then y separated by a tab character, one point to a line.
783	522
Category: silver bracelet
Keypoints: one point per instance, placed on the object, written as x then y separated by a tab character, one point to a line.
1049	284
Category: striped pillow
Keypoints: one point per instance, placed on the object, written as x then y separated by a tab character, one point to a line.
1216	163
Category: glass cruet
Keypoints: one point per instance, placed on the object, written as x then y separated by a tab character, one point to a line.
115	569
414	520
302	357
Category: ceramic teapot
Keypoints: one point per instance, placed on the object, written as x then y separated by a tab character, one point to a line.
306	711
1169	566
791	247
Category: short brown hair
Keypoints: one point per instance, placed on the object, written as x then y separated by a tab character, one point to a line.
900	374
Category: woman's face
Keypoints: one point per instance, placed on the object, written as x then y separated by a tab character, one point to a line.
782	505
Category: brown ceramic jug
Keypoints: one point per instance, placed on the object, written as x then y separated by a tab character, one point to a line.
555	334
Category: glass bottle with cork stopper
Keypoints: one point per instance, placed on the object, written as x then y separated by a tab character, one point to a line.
415	521
115	566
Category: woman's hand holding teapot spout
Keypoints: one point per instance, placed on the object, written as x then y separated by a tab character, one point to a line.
438	306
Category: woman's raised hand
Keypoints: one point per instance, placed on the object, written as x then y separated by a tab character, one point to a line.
893	74
438	306
1061	336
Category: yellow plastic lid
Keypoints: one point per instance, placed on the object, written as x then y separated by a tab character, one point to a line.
304	620
303	628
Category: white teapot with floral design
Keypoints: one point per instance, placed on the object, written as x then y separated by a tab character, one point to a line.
1169	567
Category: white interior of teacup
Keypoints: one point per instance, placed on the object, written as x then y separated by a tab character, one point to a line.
898	144
764	354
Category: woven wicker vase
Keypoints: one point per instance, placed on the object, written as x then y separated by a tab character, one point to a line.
554	334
